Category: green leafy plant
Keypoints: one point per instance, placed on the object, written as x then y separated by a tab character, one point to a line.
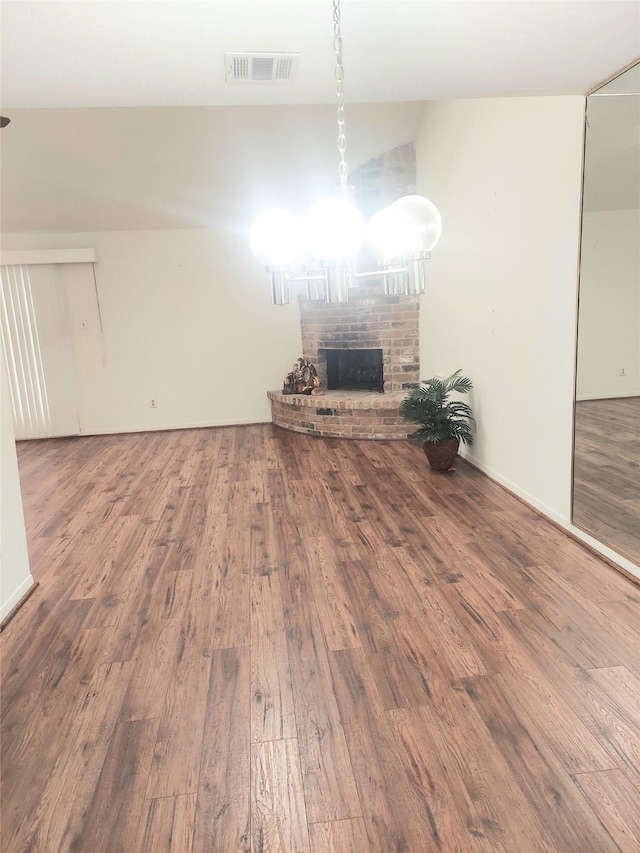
439	418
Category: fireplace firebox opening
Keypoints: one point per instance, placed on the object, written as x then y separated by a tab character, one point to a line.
354	369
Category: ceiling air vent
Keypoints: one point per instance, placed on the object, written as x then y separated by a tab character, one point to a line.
260	67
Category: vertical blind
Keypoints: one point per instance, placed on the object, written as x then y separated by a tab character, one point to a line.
23	355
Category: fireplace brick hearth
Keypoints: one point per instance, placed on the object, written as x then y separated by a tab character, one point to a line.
369	321
341	414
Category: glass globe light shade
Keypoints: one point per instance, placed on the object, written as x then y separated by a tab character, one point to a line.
333	228
391	233
276	237
426	217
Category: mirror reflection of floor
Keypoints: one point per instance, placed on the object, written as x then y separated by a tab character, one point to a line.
606	501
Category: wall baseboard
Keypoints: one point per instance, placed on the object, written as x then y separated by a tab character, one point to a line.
122	429
617	561
15	602
586	398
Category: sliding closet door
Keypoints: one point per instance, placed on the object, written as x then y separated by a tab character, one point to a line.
38	354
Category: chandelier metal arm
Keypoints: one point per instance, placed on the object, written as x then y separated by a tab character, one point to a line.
321	277
381	273
333	282
369	274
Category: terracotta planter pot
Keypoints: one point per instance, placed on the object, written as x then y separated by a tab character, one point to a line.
441	456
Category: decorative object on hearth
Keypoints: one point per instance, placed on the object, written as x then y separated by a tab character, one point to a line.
303	379
320	249
443	424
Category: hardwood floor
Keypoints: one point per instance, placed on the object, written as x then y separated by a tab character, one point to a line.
606	498
247	639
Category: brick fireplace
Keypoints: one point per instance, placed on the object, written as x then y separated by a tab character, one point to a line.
370	322
367	321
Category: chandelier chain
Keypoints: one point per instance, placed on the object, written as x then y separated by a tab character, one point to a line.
343	170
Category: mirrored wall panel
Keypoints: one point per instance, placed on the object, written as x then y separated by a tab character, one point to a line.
606	487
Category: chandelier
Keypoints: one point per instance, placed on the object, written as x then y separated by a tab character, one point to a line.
320	248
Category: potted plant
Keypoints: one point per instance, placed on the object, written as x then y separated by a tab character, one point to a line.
443	423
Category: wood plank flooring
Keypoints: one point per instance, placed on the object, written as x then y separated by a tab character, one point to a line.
606	491
247	639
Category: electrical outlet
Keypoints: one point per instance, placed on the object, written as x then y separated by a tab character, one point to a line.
153	404
623	371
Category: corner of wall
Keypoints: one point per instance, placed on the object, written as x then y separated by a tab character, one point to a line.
15	572
506	174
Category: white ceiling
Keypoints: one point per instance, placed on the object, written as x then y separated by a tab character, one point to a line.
99	53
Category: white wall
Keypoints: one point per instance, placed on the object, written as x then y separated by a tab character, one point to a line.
167	196
187	320
501	303
502	297
15	574
160	168
609	327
